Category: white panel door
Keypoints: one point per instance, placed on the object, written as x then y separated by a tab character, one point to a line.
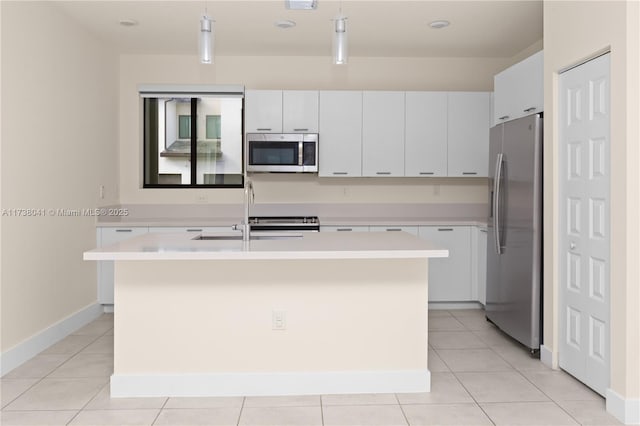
300	111
263	111
584	227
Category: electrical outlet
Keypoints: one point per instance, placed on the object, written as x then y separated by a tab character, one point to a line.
201	198
278	320
101	192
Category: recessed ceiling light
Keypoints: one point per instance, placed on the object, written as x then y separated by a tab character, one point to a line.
436	25
301	4
128	22
284	24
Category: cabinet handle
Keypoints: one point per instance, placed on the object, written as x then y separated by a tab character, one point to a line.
426	173
383	173
340	173
445	229
530	109
344	229
504	117
263	129
124	230
469	173
483	231
300	130
393	229
194	230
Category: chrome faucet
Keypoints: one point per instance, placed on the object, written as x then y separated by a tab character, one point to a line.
249	197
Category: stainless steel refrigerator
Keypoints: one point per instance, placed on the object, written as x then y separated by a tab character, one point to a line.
514	240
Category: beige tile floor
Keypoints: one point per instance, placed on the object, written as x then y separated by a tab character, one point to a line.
479	377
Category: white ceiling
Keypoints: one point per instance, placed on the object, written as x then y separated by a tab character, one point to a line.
376	28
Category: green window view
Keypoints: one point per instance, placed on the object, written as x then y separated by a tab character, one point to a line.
213	127
184	127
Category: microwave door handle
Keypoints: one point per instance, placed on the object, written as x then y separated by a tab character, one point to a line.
301	153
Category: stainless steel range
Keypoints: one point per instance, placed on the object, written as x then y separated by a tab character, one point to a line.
285	223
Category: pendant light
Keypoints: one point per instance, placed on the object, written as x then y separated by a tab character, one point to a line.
340	41
206	39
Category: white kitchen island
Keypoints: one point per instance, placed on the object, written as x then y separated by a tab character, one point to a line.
324	313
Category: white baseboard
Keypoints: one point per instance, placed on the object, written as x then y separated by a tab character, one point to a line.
26	350
546	356
454	305
624	409
270	384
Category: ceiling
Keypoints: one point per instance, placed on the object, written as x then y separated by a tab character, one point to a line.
376	28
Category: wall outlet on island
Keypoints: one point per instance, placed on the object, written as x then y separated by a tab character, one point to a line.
201	198
101	192
278	320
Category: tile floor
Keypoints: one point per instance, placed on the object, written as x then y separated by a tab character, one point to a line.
479	377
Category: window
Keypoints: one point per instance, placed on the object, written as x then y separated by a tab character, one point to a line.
192	140
184	127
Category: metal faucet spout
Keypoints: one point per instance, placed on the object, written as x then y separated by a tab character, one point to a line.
248	199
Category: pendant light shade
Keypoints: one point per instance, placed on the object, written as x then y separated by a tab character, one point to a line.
340	41
206	40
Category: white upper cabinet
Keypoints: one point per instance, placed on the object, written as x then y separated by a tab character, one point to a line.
468	134
281	111
383	134
519	90
425	134
300	111
340	138
263	111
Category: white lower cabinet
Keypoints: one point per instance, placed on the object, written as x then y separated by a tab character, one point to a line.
105	237
348	228
479	263
193	229
413	230
450	278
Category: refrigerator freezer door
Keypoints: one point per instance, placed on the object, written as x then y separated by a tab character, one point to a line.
515	304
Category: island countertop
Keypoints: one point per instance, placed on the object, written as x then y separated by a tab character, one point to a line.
312	245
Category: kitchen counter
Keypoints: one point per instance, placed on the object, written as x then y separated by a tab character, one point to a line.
226	215
326	313
311	245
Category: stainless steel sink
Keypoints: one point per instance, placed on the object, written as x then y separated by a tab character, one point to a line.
238	237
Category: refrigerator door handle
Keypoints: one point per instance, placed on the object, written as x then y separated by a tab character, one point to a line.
496	201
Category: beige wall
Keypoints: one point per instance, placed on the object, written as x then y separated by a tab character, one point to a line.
573	32
59	143
472	74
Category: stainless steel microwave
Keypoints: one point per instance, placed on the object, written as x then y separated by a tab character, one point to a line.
282	152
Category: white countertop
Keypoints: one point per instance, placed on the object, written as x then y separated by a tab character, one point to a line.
314	245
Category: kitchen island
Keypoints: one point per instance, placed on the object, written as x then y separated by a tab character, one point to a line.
318	313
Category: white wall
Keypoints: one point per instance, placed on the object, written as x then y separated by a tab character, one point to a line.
573	32
59	143
473	74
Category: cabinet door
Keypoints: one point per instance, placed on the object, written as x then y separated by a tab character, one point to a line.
449	278
347	228
383	134
190	229
519	90
530	80
300	111
468	129
106	237
340	140
263	111
425	134
413	230
481	249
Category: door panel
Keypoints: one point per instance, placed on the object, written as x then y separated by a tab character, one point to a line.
584	229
